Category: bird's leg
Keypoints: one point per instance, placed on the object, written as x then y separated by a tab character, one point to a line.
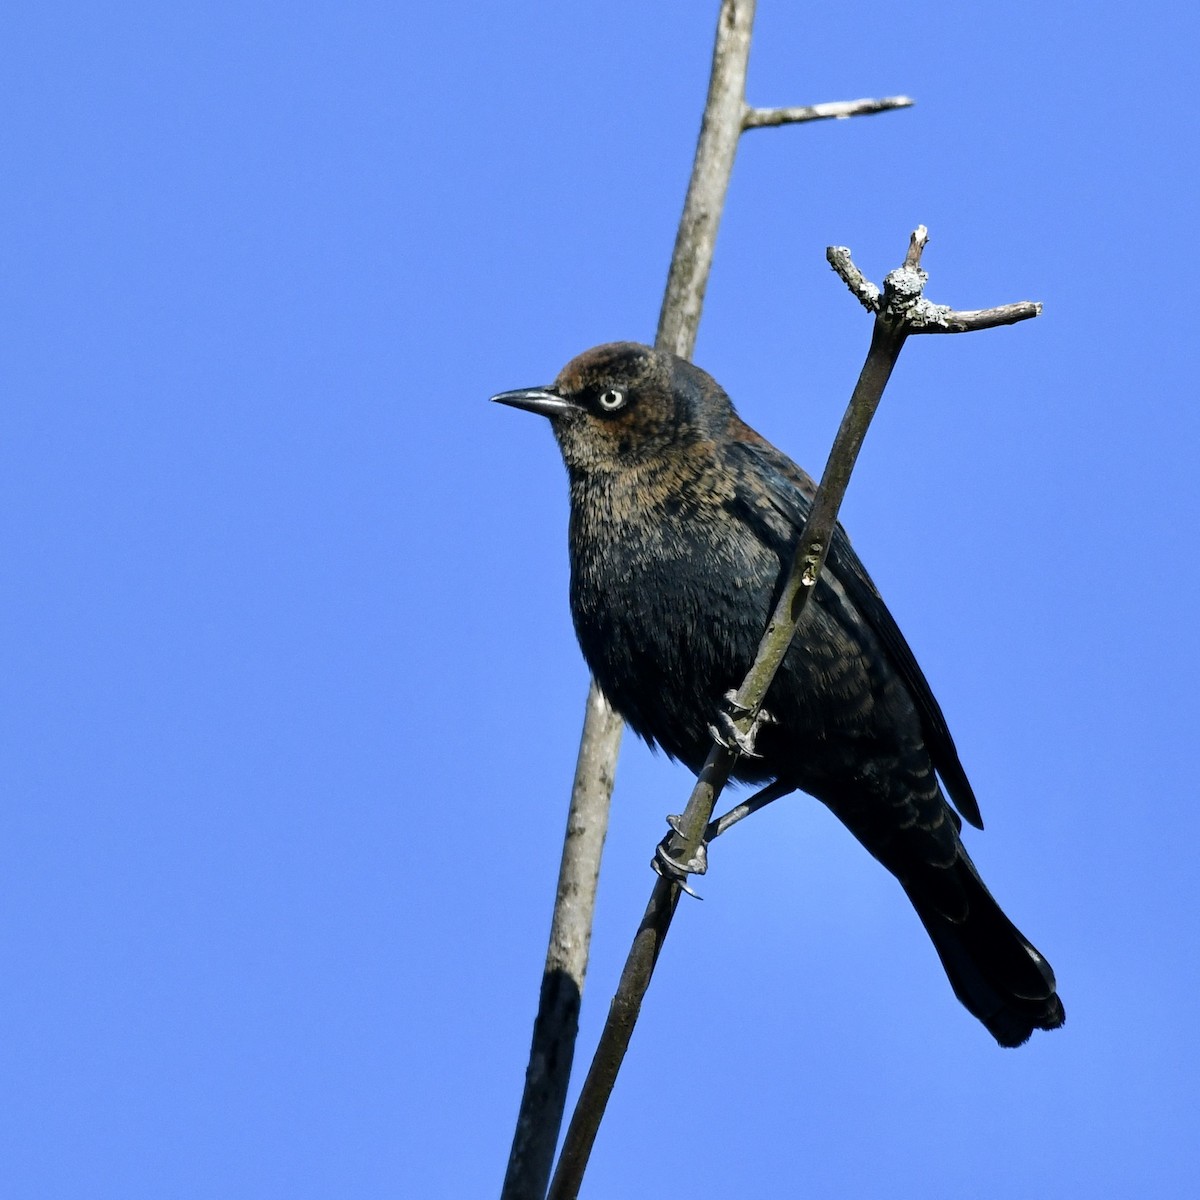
665	863
725	731
760	799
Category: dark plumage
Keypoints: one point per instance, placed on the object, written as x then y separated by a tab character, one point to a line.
682	519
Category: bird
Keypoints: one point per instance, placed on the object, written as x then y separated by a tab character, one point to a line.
683	524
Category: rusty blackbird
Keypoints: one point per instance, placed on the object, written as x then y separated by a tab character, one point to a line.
683	520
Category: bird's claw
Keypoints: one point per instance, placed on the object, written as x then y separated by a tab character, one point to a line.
725	731
669	867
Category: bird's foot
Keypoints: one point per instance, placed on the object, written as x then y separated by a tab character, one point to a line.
726	732
666	864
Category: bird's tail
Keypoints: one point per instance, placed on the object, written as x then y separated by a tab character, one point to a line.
991	965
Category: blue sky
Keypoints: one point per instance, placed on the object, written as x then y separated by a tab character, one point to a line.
291	692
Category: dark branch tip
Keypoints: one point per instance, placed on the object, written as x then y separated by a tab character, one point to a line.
916	244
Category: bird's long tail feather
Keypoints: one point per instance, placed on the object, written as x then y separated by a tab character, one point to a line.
992	967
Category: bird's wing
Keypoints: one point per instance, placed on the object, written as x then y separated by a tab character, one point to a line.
790	491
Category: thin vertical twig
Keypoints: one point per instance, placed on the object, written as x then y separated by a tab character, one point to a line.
554	1031
720	128
556	1025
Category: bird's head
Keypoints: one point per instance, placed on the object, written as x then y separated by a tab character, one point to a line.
623	403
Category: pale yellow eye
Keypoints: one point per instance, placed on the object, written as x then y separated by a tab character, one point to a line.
612	399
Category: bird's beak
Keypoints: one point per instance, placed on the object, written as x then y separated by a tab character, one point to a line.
537	400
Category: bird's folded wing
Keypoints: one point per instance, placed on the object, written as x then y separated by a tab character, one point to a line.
790	492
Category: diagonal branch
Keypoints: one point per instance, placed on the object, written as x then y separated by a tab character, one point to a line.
836	110
898	315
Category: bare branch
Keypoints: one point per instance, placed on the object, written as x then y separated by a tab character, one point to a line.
556	1025
936	318
902	298
869	296
916	247
554	1031
835	110
720	127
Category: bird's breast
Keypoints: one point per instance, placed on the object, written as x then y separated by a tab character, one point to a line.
668	603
